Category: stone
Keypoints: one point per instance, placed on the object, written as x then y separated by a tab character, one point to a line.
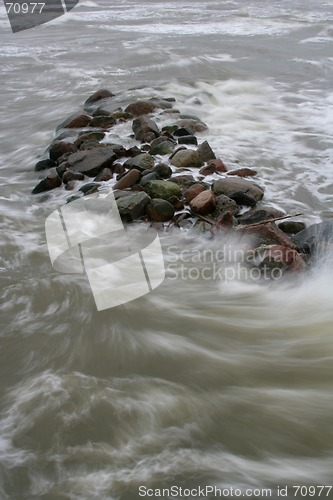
205	152
192	125
188	139
98	96
139	108
163	171
203	203
315	238
191	192
291	227
102	122
225	204
258	215
265	234
44	165
118	149
186	158
145	179
92	161
89	136
134	151
144	126
243	172
183	180
105	175
69	175
244	192
163	189
51	181
218	164
142	161
130	178
208	169
165	148
89	188
133	206
59	148
178	131
160	210
89	145
70	185
78	121
279	257
176	202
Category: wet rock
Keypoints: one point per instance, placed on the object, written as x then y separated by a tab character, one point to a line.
151	176
69	175
258	215
89	136
92	161
225	204
144	128
89	145
134	151
140	108
188	139
163	189
44	165
265	234
163	171
243	172
291	227
105	175
78	121
51	181
98	96
205	152
193	126
142	161
183	180
176	202
121	115
203	203
164	148
207	169
70	185
160	210
280	257
130	178
118	149
89	188
218	164
315	238
117	168
102	122
133	206
244	192
178	131
58	149
186	158
191	192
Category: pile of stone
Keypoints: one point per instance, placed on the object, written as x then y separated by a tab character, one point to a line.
170	178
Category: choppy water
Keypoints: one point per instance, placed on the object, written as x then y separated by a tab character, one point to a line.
198	383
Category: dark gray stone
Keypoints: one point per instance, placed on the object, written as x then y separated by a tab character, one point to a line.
92	161
134	206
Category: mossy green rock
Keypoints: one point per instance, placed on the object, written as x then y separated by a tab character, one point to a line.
163	189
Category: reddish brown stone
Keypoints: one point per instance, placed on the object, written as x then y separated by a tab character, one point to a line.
243	172
193	191
132	177
140	108
203	203
69	175
218	164
284	255
80	121
208	169
97	96
59	148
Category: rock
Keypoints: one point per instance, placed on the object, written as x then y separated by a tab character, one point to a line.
89	145
192	126
291	227
51	181
117	168
279	257
102	122
78	121
191	192
207	169
121	115
133	206
144	128
225	204
97	96
105	175
203	203
162	138
142	161
92	161
314	239
165	148
130	178
152	176
258	215
265	234
163	189
218	164
134	151
89	136
243	172
44	165
140	108
188	139
69	175
118	149
160	210
183	180
176	202
59	148
205	152
163	171
70	185
244	192
178	131
186	158
89	188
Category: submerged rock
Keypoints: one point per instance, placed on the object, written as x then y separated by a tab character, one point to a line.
98	96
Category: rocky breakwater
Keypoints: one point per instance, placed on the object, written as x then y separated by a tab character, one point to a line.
165	174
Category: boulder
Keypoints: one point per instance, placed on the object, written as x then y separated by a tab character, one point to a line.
59	148
44	165
203	203
225	204
191	192
259	215
51	181
144	128
89	188
151	176
160	210
105	175
89	136
314	238
188	139
142	161
164	148
127	180
208	169
163	171
102	122
69	176
205	152
280	257
133	206
139	108
218	164
78	121
186	158
265	234
291	226
98	96
243	172
163	189
183	180
92	161
244	192
192	125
